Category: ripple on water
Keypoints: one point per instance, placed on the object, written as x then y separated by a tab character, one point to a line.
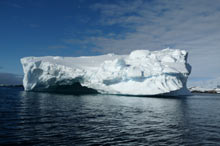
56	119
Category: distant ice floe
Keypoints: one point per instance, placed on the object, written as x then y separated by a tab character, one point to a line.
207	86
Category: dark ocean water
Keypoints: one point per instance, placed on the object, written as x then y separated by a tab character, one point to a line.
54	119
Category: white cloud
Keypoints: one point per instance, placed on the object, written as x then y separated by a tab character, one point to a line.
192	25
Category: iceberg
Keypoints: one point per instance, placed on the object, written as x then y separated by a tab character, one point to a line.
142	73
206	86
204	90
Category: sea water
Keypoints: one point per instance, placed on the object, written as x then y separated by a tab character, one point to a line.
29	118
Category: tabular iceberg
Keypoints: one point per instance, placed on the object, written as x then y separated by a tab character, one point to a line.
142	72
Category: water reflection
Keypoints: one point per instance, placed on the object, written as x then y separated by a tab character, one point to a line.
98	115
107	119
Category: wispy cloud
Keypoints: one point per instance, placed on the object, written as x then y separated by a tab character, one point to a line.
191	25
160	24
34	25
57	47
16	5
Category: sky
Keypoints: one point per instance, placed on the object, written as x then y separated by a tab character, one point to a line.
94	27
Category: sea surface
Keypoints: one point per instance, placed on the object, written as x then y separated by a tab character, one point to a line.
28	118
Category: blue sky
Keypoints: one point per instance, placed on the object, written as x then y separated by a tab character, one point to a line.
93	27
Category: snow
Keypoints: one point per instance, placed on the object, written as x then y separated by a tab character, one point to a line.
143	72
212	85
204	90
209	84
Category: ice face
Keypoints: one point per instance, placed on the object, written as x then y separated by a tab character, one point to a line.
142	72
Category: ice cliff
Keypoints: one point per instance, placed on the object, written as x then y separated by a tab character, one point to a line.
142	72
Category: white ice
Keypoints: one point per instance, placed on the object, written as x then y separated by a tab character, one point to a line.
212	85
142	72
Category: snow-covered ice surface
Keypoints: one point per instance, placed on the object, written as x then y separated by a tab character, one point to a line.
209	86
204	90
142	72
